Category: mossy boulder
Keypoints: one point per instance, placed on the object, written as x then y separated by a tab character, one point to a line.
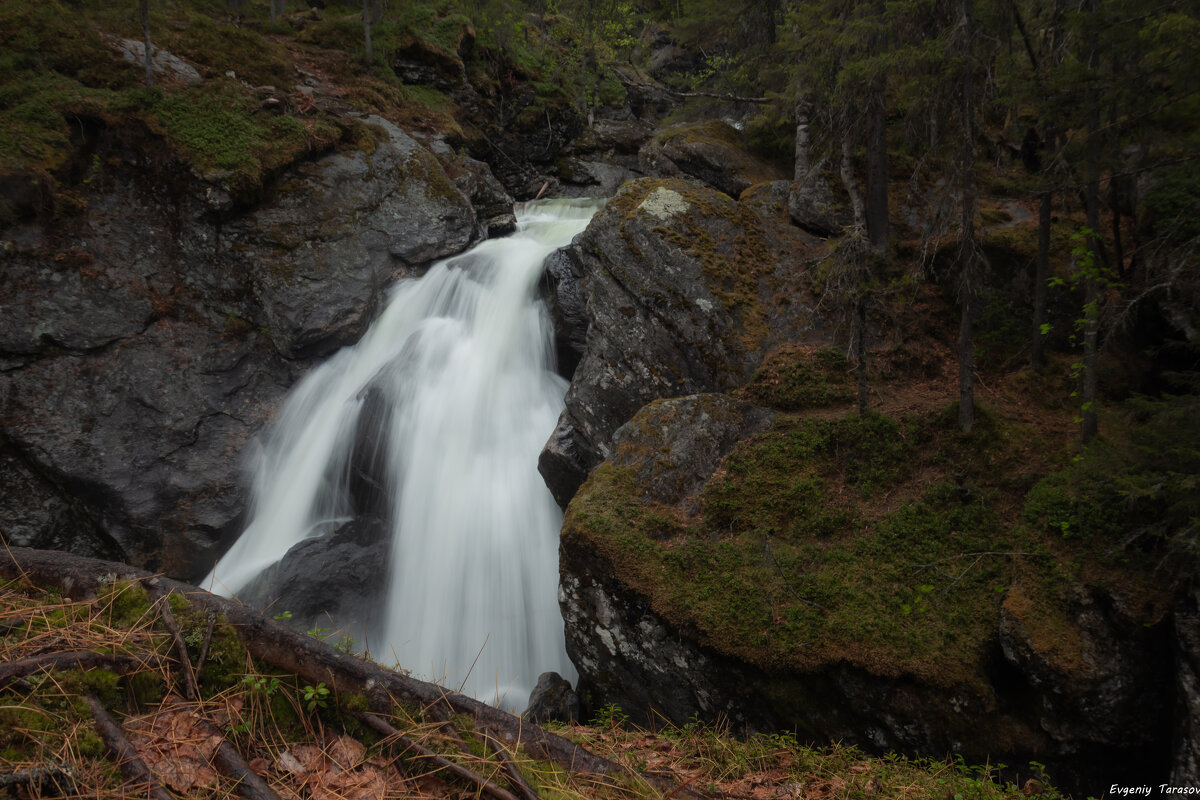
686	289
711	152
862	578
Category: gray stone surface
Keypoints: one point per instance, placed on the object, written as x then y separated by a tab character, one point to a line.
675	305
341	229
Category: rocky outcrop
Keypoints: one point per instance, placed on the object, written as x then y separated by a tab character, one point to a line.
681	284
711	152
145	341
340	229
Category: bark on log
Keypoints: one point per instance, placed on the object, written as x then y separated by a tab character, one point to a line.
316	661
52	781
73	659
124	754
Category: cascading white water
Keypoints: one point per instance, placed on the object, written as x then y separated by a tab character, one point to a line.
462	359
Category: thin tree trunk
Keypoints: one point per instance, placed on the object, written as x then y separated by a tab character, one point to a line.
860	352
877	173
877	188
1040	276
968	257
803	114
149	46
847	172
367	14
1091	302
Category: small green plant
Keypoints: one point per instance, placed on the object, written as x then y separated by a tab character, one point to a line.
315	697
609	716
282	616
260	684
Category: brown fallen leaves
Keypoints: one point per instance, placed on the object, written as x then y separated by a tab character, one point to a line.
178	742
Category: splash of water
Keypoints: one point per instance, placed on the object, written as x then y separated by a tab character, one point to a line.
461	363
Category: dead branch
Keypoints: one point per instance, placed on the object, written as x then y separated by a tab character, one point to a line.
73	659
124	754
383	728
208	632
163	601
510	769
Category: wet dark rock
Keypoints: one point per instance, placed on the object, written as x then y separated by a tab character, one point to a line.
566	298
331	582
1109	689
688	436
595	178
146	434
553	700
1093	698
37	515
630	657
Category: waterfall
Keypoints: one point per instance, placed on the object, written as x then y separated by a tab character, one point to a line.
454	386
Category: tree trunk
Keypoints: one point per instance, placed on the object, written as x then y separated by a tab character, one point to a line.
149	54
877	188
1040	276
968	255
368	19
847	172
803	114
877	174
860	351
1091	302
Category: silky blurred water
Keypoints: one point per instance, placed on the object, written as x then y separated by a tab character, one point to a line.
463	359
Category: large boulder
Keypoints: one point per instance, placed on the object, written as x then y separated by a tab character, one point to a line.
683	290
729	562
341	228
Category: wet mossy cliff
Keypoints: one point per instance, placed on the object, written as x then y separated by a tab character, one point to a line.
741	543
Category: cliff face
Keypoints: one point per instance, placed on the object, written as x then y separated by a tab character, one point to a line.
147	339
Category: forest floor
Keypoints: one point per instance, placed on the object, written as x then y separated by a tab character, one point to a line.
66	665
